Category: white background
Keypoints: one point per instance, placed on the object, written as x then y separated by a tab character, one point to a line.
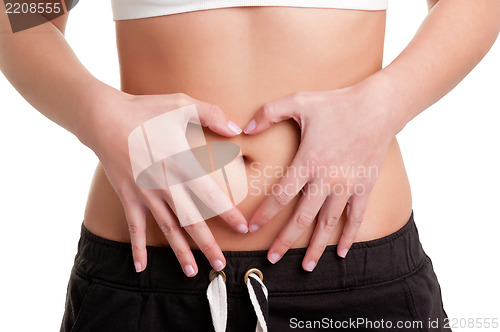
451	152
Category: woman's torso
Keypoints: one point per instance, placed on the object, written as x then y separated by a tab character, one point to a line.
238	59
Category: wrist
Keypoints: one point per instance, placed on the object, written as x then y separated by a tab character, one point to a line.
95	116
383	102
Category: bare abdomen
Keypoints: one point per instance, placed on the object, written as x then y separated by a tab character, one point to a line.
240	58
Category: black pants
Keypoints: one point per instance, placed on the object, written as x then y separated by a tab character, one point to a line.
387	284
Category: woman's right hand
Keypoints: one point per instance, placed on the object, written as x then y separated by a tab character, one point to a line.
107	133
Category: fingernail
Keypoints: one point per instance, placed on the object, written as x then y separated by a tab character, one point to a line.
138	266
242	229
217	264
274	257
234	127
251	126
343	252
310	266
189	270
253	228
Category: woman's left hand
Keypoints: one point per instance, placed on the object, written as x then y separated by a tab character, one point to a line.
345	135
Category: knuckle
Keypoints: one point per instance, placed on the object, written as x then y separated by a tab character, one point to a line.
302	99
212	115
316	248
208	247
329	223
317	163
212	198
214	110
299	98
281	199
338	188
333	180
181	98
284	242
304	219
296	96
195	227
268	111
136	247
134	229
181	253
167	228
356	219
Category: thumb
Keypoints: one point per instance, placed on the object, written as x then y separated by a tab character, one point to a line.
212	117
270	113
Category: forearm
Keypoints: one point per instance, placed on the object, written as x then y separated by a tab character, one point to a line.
451	41
43	68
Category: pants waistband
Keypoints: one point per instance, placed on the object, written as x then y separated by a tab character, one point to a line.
367	263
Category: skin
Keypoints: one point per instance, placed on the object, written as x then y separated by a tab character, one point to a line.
416	79
340	94
241	94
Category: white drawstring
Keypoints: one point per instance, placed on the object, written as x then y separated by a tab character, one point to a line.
259	302
217	299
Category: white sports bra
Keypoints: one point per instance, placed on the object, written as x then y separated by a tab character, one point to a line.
132	9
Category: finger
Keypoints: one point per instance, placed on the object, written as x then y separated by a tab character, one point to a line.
216	200
356	211
235	219
136	220
213	117
210	115
192	221
202	236
282	193
327	221
205	189
171	229
272	112
302	218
